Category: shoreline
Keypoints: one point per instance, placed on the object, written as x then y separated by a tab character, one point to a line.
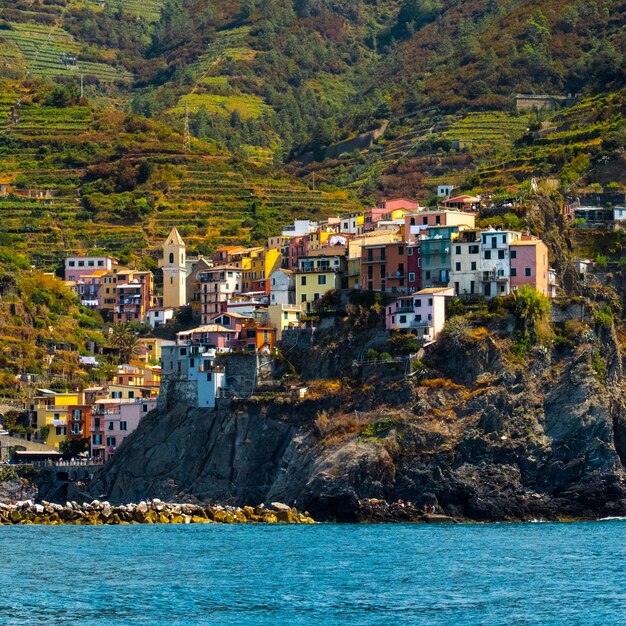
102	513
97	513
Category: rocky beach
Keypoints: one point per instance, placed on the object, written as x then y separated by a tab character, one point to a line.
97	513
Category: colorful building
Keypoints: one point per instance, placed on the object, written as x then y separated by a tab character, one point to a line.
417	224
213	289
422	313
530	264
385	267
283	316
77	267
316	276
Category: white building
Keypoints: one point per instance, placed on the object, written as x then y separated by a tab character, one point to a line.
299	228
444	191
480	262
282	287
159	316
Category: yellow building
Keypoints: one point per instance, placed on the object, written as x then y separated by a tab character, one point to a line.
316	279
149	349
261	264
49	411
283	316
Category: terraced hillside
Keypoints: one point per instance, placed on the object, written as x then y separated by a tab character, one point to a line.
46	50
80	177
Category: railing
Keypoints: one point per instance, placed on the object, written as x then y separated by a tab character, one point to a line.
368	260
305	270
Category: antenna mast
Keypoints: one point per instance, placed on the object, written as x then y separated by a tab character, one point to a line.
187	134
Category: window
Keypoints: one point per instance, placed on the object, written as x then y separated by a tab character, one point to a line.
71	263
473	249
418	303
400	250
411	277
383	254
494	242
321	279
513	272
370	271
303	280
458	249
503	238
473	266
145	408
527	271
438	219
123	426
111	441
81	264
402	319
501	254
430	301
171	257
60	430
131	394
458	267
192	363
303	297
427	275
487	254
96	424
96	440
410	251
111	426
100	263
90	264
513	254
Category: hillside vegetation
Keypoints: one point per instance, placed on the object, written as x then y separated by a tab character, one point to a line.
267	85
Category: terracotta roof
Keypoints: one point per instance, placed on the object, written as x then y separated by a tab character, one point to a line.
463	198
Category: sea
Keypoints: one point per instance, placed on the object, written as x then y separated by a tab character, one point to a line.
478	574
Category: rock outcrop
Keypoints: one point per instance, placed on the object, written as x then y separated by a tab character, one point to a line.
542	440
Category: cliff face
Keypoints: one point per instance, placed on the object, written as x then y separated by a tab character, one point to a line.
546	440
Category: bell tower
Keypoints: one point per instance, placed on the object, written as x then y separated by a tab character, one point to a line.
174	271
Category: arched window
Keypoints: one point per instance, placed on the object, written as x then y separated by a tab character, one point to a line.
171	257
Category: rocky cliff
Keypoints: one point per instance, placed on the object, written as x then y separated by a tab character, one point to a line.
481	435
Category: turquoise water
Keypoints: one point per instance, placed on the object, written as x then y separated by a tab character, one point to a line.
325	574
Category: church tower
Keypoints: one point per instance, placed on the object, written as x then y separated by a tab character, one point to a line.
174	271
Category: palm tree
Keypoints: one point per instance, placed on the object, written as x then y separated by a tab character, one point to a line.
125	340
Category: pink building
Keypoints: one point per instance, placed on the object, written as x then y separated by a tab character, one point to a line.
113	420
77	267
384	208
422	313
529	264
418	223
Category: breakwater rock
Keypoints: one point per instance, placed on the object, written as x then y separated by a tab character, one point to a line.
153	512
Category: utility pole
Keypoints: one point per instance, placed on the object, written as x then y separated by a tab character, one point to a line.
187	134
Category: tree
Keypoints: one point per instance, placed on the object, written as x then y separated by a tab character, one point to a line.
125	340
71	448
532	310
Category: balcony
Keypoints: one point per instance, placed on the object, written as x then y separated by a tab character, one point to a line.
58	422
492	275
372	260
318	269
404	309
396	276
421	324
